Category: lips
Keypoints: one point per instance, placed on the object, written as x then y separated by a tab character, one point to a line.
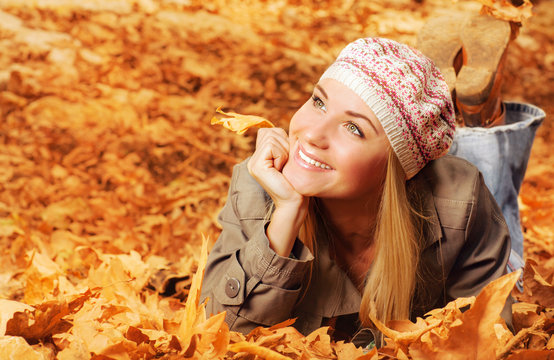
314	162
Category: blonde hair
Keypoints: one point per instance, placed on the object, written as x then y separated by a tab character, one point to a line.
391	282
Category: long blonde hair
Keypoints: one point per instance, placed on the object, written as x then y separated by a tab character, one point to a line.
392	279
391	282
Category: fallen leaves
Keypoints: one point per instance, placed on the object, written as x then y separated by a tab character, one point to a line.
507	10
537	289
118	317
110	172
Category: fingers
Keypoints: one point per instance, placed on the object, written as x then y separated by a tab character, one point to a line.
277	140
276	133
265	165
272	149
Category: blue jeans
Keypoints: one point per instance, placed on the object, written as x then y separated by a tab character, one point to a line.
501	154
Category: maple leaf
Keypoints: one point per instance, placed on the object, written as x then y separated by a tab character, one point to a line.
45	319
8	309
240	123
536	288
474	336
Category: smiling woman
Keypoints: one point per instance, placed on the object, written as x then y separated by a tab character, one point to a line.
356	209
331	129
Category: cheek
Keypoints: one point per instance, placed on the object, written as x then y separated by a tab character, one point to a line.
368	171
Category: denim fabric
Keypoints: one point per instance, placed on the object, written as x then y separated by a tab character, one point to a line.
501	154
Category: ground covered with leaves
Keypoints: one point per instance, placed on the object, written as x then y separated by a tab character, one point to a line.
110	173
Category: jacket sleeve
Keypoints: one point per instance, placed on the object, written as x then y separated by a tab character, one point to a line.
486	249
244	276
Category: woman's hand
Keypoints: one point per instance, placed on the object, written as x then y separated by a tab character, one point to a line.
266	165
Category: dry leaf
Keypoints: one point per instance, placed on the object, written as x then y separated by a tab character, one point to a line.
240	123
194	314
505	10
9	308
15	347
474	337
254	349
536	288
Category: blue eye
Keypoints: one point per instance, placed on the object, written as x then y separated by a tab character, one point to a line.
318	103
354	129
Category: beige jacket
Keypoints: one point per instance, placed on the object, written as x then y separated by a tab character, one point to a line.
255	286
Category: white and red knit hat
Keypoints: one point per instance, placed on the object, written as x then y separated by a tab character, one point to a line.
407	93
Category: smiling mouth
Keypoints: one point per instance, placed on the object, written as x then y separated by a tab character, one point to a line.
313	162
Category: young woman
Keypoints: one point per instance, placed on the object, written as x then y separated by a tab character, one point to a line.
356	208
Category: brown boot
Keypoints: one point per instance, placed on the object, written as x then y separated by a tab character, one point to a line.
485	40
439	39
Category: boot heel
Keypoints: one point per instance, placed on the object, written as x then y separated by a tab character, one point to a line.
485	40
439	40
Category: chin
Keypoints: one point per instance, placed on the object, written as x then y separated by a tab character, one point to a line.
302	184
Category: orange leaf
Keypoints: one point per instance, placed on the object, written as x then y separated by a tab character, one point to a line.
474	337
403	337
536	288
8	309
240	123
504	10
254	349
15	347
191	314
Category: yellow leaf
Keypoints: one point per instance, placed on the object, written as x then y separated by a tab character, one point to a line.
398	336
475	336
15	347
191	314
264	353
504	10
240	123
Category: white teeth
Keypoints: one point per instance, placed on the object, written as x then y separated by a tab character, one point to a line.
311	161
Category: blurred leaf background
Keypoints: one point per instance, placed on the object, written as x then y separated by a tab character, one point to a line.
110	171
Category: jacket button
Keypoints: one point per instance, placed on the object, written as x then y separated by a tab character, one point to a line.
232	287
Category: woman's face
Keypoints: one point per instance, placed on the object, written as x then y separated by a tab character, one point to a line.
338	148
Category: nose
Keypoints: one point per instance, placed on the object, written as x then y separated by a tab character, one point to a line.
318	133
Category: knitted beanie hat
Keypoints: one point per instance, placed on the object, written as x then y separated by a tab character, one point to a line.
407	93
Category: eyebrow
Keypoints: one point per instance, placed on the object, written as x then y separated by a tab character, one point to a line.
349	112
355	114
322	91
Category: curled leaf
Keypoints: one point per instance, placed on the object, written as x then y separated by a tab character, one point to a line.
254	349
240	123
505	10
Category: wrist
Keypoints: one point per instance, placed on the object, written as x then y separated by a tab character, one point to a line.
292	211
285	224
293	204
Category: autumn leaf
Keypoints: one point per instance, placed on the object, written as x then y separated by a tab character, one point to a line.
254	349
474	336
8	309
11	346
506	10
45	319
194	314
240	123
536	288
